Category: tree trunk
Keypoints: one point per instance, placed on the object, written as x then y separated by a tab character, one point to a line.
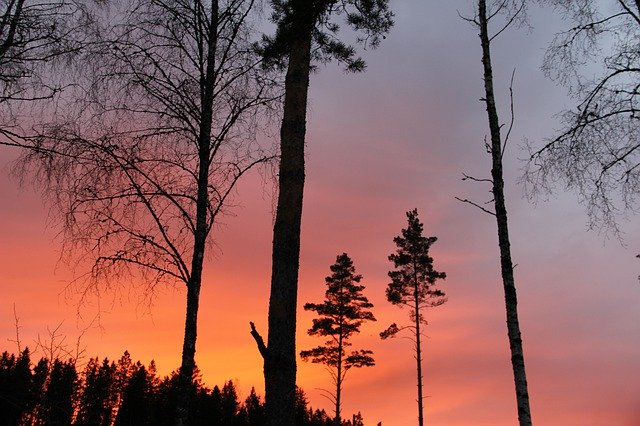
280	360
337	420
418	355
513	326
200	237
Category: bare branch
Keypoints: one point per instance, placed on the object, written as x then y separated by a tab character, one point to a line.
506	138
475	205
474	179
259	340
17	341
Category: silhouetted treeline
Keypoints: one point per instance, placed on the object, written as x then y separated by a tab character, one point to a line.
124	392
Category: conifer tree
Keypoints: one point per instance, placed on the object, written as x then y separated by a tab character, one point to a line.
252	411
306	34
15	385
340	316
413	285
97	399
58	399
135	406
230	403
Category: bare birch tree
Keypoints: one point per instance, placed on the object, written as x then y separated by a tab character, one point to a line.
141	158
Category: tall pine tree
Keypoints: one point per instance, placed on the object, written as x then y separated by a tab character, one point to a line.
413	285
340	316
306	34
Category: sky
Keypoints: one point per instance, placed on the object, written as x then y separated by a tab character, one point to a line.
394	138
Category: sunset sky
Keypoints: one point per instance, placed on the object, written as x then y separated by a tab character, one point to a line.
381	143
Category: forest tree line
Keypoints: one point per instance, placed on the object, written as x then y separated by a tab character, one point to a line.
124	392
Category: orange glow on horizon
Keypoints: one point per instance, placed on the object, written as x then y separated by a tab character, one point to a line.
395	138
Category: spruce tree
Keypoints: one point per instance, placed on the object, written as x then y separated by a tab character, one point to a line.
340	316
413	285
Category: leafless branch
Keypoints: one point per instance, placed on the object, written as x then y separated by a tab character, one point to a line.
506	138
259	340
17	327
475	205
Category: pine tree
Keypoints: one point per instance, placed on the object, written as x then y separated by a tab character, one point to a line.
413	285
306	33
341	314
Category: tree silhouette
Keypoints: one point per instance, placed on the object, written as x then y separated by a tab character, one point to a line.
58	401
147	145
136	397
596	152
16	387
52	393
99	394
412	285
341	314
252	411
304	34
513	10
230	403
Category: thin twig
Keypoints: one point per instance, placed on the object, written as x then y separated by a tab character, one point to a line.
506	138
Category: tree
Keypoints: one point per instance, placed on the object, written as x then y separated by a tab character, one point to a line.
230	403
412	285
144	153
341	314
136	396
596	152
58	401
99	396
16	387
514	11
301	25
252	411
38	387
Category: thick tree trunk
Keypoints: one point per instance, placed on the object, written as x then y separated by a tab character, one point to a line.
280	360
513	326
418	356
193	285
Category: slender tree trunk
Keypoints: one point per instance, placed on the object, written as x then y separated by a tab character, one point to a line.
418	354
195	279
280	359
513	326
338	420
